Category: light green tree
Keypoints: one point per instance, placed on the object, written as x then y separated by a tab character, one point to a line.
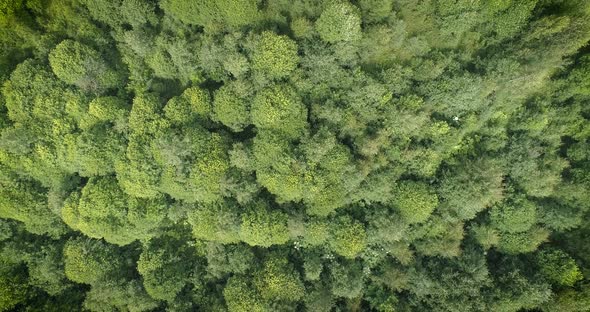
103	210
214	15
217	222
558	267
279	108
348	237
516	214
274	56
415	201
90	261
340	21
231	106
279	281
240	297
263	226
192	103
82	66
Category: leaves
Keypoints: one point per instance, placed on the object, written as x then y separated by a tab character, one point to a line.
294	155
80	65
415	201
339	22
274	56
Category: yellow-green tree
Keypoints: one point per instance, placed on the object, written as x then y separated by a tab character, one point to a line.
102	210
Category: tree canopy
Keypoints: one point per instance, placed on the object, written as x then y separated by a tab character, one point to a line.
295	155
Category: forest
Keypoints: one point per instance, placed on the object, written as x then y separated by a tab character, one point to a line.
295	155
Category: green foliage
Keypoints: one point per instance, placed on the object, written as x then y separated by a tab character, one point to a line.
348	237
316	232
165	265
194	163
103	210
472	187
381	300
193	102
46	269
138	174
538	175
385	228
289	155
439	237
11	7
279	281
569	300
264	227
91	261
274	56
312	267
228	259
415	201
98	150
119	296
375	10
279	109
524	242
317	180
301	28
214	14
217	222
5	230
578	77
106	109
27	202
114	13
347	279
145	116
512	18
13	289
559	267
340	21
42	108
319	299
240	297
82	66
230	108
486	236
513	216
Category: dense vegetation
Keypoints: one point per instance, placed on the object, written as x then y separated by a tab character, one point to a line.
295	155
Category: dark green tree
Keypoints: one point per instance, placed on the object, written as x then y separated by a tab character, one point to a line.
166	265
